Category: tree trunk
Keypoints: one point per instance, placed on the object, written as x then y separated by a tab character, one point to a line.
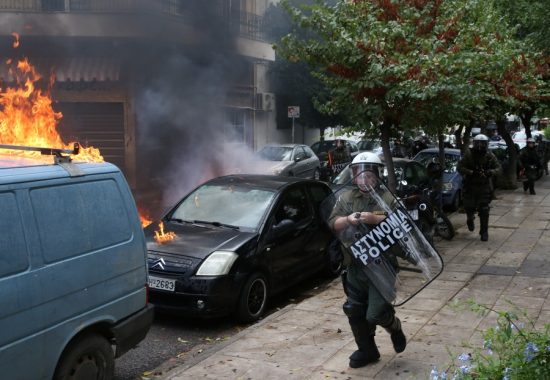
458	136
510	174
525	115
388	159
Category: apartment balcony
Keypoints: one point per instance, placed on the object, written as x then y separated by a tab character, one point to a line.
103	17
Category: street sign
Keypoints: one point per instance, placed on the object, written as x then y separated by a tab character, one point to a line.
294	111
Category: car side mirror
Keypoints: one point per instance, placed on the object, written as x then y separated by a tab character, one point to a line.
283	228
298	158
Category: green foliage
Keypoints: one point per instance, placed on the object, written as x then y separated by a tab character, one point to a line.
404	63
513	350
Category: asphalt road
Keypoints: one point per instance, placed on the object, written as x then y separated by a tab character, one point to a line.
173	340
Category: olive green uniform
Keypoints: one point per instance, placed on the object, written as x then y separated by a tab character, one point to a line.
365	306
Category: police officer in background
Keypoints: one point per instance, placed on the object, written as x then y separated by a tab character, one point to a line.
543	150
477	166
338	158
530	162
365	306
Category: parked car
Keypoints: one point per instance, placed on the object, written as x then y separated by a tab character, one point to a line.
73	273
237	240
452	180
520	137
294	160
373	146
321	149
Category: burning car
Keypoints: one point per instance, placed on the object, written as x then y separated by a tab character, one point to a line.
235	241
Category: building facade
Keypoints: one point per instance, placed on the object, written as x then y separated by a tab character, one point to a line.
141	78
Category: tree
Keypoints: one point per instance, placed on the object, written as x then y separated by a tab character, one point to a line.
394	65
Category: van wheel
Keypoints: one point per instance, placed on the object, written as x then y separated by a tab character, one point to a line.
253	299
88	357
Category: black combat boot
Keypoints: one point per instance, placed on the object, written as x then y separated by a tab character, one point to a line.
367	352
397	336
525	186
532	188
470	219
484	224
363	332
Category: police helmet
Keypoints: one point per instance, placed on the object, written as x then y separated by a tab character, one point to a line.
367	161
481	143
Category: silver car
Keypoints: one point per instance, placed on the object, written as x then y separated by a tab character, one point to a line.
294	160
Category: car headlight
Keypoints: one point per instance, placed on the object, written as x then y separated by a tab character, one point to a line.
277	171
447	186
217	264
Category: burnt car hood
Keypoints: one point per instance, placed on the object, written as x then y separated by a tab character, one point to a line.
195	241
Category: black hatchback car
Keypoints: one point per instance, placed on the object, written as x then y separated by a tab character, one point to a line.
234	241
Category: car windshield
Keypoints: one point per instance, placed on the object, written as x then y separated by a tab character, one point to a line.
238	206
451	160
368	145
275	153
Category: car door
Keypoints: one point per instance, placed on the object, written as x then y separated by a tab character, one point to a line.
287	257
312	161
301	168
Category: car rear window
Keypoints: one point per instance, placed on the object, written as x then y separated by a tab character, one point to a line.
74	219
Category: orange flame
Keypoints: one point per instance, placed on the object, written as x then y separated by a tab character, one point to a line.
144	218
163	237
16	40
27	117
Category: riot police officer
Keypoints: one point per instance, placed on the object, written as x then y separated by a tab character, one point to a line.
365	306
477	167
530	162
338	158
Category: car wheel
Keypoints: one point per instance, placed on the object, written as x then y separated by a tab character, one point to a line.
253	299
88	357
334	258
317	174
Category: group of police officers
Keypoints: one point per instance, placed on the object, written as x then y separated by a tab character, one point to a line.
367	304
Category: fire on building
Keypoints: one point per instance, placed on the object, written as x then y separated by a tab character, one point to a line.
152	90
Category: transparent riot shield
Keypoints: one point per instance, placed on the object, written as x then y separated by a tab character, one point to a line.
381	238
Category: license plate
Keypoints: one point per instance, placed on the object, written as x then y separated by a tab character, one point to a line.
413	214
162	283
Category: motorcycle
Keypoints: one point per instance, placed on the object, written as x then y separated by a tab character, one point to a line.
425	209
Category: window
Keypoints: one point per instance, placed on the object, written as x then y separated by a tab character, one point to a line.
294	206
13	250
79	218
53	5
299	153
319	194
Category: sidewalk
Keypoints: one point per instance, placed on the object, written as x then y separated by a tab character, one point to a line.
312	339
